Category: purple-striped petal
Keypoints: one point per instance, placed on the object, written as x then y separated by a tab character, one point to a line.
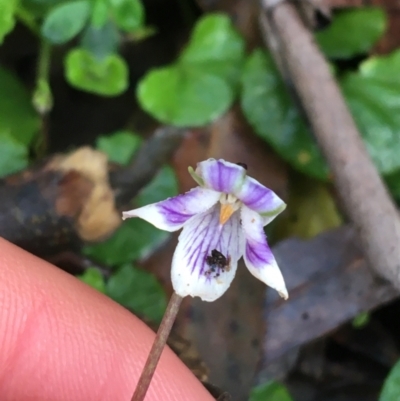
257	255
259	198
221	175
195	275
172	213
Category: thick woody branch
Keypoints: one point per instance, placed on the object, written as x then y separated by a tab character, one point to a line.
364	196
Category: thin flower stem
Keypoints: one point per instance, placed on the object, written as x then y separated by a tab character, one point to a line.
157	348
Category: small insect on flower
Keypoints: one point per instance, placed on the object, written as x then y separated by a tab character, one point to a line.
218	263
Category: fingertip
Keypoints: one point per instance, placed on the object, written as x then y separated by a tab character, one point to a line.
62	340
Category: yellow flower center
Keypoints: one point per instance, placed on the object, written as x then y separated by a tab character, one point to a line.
229	205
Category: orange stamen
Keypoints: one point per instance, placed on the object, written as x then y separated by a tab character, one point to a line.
226	212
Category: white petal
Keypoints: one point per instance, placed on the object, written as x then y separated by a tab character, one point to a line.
191	274
257	255
172	213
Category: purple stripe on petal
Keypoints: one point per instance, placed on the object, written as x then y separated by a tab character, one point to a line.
171	214
258	197
192	274
258	256
220	175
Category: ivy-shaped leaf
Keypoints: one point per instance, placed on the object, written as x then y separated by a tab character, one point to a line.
352	32
269	108
201	85
107	77
65	21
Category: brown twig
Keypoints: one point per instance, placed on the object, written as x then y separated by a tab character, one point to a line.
364	195
157	348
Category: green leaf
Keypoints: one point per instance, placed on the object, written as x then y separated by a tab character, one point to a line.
391	387
164	185
216	47
393	183
136	239
65	21
101	42
271	391
13	155
120	146
128	14
269	108
373	95
94	278
107	77
139	291
7	19
184	96
201	85
99	13
17	115
353	32
361	320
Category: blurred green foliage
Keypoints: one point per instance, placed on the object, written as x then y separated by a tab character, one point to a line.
272	391
135	239
391	387
352	32
202	84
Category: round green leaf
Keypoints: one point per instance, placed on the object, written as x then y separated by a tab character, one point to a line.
128	14
353	32
139	291
373	95
13	155
17	115
120	146
391	387
215	47
269	108
184	96
7	19
65	21
107	77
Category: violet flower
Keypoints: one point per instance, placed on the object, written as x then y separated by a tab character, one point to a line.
222	220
